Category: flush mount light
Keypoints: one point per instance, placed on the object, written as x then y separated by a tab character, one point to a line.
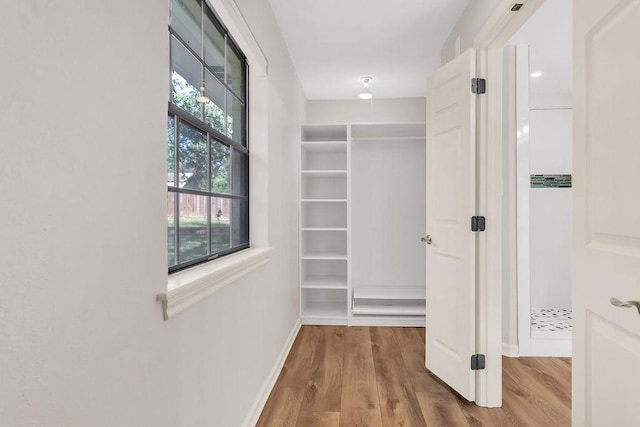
202	98
536	74
366	92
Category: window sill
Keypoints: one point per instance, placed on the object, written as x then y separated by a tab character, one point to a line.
185	288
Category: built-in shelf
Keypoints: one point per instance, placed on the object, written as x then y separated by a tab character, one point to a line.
374	139
326	310
400	292
323	214
324	146
389	301
324	132
323	200
340	176
325	282
324	296
324	173
329	255
388	308
323	229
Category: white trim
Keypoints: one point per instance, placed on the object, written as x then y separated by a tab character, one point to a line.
510	350
270	382
489	252
504	23
499	28
185	288
559	346
398	322
523	184
324	321
230	15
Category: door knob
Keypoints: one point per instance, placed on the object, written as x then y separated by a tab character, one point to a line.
616	302
427	239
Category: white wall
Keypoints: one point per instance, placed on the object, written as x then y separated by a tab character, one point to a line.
550	139
388	189
475	15
549	34
509	234
374	110
83	228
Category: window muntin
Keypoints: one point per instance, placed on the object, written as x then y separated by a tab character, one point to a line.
207	154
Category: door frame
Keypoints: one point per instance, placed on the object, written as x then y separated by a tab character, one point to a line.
502	24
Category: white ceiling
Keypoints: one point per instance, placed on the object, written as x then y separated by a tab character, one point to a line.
335	42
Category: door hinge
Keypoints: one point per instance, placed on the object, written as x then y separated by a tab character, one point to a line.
478	223
477	362
478	86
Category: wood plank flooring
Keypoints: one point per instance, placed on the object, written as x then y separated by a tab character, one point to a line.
369	377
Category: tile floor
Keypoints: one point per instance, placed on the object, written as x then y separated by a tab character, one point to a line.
552	320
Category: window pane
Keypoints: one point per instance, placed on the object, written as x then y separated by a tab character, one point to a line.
235	119
171	230
185	20
240	222
205	65
220	168
240	174
235	71
185	79
213	44
214	109
220	224
193	172
192	227
171	137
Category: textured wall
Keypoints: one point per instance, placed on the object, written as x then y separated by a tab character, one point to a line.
83	228
375	110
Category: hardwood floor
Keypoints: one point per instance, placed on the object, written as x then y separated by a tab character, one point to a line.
359	377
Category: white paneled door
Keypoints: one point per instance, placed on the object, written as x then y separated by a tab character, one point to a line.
606	364
450	203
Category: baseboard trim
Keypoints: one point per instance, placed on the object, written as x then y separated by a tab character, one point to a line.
270	382
510	350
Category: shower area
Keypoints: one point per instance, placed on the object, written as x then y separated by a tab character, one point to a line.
544	216
539	65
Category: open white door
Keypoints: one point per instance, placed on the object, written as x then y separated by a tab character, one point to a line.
451	174
606	364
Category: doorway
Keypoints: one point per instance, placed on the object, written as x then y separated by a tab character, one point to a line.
537	167
498	280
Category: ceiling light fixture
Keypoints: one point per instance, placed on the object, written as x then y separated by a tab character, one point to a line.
536	74
366	92
202	98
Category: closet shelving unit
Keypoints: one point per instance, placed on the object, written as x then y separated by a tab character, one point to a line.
324	224
362	195
388	218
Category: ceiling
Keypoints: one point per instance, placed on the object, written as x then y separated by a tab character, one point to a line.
335	42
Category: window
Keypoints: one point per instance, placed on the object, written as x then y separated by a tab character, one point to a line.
207	147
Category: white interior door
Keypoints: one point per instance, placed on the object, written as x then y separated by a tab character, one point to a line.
606	367
450	202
